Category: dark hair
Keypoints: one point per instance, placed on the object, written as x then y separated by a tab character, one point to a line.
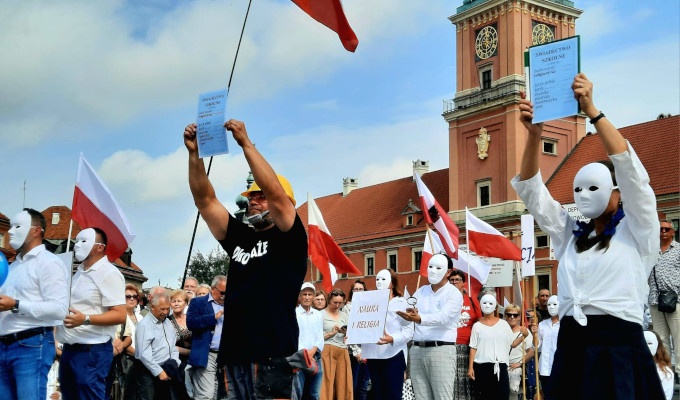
457	272
102	234
396	292
37	219
334	293
351	291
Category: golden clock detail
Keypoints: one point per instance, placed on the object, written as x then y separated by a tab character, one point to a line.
486	42
542	34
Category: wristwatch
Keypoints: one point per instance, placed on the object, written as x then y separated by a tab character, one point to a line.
15	309
87	321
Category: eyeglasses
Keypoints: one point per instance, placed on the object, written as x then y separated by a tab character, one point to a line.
665	229
223	293
131	296
360	289
510	315
456	280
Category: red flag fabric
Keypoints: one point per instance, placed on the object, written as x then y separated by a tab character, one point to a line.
486	241
95	206
435	215
324	252
330	13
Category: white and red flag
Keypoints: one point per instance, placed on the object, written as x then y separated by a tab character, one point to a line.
95	206
331	14
435	215
486	241
324	252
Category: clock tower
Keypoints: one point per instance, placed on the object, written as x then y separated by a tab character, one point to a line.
486	139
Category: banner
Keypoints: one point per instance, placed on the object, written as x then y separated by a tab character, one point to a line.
367	316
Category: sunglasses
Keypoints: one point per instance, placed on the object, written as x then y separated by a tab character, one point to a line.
131	296
665	229
510	315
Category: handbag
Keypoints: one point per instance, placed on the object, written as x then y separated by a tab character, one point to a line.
668	299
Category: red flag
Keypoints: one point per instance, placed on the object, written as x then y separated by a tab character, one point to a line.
435	214
330	13
95	206
486	241
324	252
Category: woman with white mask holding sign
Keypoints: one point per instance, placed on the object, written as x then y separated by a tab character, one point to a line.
603	264
490	343
547	340
386	359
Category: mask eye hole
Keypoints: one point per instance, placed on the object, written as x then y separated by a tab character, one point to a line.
577	189
593	188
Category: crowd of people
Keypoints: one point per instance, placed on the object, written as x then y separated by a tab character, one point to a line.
98	338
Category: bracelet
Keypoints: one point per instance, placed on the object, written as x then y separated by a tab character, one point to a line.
594	120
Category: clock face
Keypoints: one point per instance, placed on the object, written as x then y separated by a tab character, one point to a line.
542	34
486	43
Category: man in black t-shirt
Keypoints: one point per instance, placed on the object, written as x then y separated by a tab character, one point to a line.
267	266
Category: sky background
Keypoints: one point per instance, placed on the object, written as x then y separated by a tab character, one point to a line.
119	80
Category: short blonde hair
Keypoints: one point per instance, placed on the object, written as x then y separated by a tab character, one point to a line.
179	293
512	307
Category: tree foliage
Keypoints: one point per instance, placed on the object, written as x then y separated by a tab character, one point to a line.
205	268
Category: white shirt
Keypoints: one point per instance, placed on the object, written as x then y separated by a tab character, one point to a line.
38	280
155	343
547	344
516	353
93	291
439	313
595	281
311	328
400	329
666	377
492	342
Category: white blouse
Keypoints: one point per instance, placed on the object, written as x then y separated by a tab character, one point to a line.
547	345
516	353
666	376
611	281
492	342
400	329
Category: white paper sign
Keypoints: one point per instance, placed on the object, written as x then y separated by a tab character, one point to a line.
500	274
367	316
528	250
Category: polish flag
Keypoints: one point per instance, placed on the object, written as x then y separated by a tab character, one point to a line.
324	252
330	13
486	241
468	264
95	206
435	214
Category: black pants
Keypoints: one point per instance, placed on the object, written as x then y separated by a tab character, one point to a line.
387	377
149	387
489	386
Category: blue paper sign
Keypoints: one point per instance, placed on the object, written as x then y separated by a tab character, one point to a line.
4	268
552	68
210	133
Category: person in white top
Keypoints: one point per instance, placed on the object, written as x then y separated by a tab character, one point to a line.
547	331
32	298
386	359
519	355
663	362
310	322
603	264
97	306
490	343
433	355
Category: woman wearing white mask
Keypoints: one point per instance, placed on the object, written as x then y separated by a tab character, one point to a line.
387	359
603	264
547	340
490	344
662	361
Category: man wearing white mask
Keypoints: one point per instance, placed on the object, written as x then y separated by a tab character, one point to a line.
97	306
33	297
547	340
433	354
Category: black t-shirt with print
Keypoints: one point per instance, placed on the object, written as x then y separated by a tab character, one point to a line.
266	271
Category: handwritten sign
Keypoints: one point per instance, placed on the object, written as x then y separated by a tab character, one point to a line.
552	68
528	250
367	316
210	133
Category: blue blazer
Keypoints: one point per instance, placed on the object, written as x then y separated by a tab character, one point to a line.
201	321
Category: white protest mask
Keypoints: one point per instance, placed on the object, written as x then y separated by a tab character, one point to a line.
20	224
652	341
553	306
383	280
488	304
84	243
436	268
593	187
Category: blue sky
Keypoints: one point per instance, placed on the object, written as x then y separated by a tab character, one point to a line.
119	80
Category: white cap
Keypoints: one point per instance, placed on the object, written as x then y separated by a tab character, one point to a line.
307	285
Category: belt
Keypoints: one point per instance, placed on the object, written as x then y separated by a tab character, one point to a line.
15	337
432	343
83	346
214	351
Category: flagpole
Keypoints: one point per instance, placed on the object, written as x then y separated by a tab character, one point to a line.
467	240
522	289
231	75
538	391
